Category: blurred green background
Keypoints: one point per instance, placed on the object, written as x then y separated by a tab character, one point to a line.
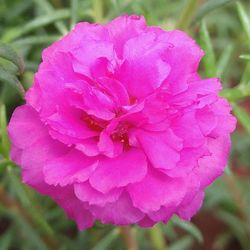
29	221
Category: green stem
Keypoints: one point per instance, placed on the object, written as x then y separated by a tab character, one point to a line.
157	238
13	205
74	7
98	10
187	14
239	198
129	238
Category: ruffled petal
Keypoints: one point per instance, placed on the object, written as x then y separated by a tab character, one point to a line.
119	213
123	28
25	121
129	167
211	166
86	193
186	212
161	148
137	68
156	190
74	167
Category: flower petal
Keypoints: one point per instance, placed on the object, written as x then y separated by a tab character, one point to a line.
129	167
25	121
74	167
157	190
120	212
86	193
160	148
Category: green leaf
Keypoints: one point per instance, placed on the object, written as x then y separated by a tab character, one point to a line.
244	20
183	243
38	22
209	58
224	60
35	40
236	226
74	8
10	54
228	171
189	227
242	116
210	6
187	14
157	237
233	94
245	57
49	9
28	233
104	243
9	78
5	144
245	79
97	11
6	239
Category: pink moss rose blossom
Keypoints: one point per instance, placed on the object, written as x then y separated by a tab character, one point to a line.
119	127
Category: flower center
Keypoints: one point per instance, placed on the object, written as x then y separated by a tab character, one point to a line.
120	134
93	123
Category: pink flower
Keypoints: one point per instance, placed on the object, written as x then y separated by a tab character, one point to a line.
119	127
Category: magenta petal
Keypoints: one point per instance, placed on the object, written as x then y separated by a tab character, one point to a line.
163	214
138	54
86	193
109	147
36	155
129	167
88	147
187	128
186	212
183	57
123	28
157	190
25	121
213	165
146	222
71	168
120	212
74	208
160	148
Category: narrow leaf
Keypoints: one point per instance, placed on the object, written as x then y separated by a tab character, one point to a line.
245	79
210	6
49	9
157	237
224	60
97	11
74	8
10	54
245	21
237	93
242	117
107	240
245	57
38	22
190	228
3	132
182	243
35	40
209	58
6	239
187	14
236	226
9	78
